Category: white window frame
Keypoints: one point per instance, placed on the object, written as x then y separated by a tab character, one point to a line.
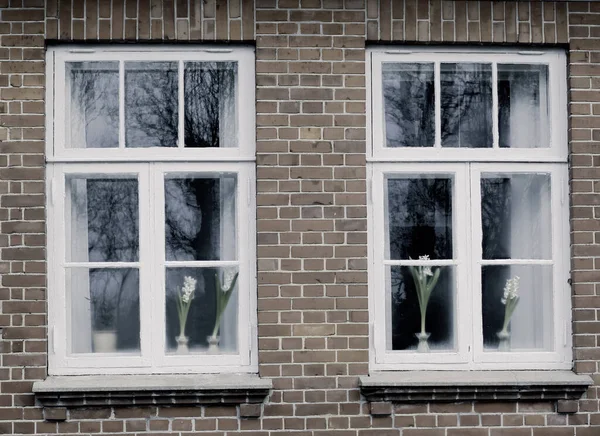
149	166
466	165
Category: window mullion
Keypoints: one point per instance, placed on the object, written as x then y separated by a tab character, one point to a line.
121	104
181	107
146	250
438	105
157	265
474	255
495	107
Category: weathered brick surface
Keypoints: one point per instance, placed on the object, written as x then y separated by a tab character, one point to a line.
311	184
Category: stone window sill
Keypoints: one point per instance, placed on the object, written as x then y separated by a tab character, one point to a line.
451	386
138	390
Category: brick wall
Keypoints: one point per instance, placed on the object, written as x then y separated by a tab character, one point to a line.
311	177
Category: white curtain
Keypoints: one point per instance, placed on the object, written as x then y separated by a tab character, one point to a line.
531	238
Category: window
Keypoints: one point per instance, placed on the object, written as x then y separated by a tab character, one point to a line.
151	233
469	236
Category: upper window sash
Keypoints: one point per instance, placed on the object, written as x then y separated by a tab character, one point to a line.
234	103
434	66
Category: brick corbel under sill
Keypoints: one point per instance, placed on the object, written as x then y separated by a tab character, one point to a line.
456	386
151	390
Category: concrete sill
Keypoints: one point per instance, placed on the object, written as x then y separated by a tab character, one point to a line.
452	386
129	390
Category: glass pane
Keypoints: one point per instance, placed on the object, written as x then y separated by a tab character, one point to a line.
94	110
105	309
200	217
102	219
523	106
438	294
210	112
516	216
151	104
419	217
201	310
466	99
408	91
529	298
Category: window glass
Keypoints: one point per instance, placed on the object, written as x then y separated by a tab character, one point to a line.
422	301
201	310
210	116
517	301
516	216
409	101
102	216
422	294
419	217
151	104
93	115
523	106
466	105
105	309
200	217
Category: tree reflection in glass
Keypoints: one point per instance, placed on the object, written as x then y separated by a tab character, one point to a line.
210	117
409	100
93	114
103	217
419	224
419	217
151	104
200	226
466	104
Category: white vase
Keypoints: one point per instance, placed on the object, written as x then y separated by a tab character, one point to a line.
504	337
182	344
423	346
104	341
213	345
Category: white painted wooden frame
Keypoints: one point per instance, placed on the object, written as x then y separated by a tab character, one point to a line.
57	149
557	85
148	166
467	164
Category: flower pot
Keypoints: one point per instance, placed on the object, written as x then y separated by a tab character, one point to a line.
104	341
213	344
182	344
423	346
504	337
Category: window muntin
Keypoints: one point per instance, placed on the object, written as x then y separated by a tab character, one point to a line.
126	228
501	220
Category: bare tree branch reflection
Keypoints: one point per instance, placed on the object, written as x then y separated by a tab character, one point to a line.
466	105
94	104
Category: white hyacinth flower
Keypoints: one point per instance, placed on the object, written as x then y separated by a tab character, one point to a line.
228	276
511	289
425	270
189	286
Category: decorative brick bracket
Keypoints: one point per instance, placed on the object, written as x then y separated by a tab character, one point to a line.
144	390
453	386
